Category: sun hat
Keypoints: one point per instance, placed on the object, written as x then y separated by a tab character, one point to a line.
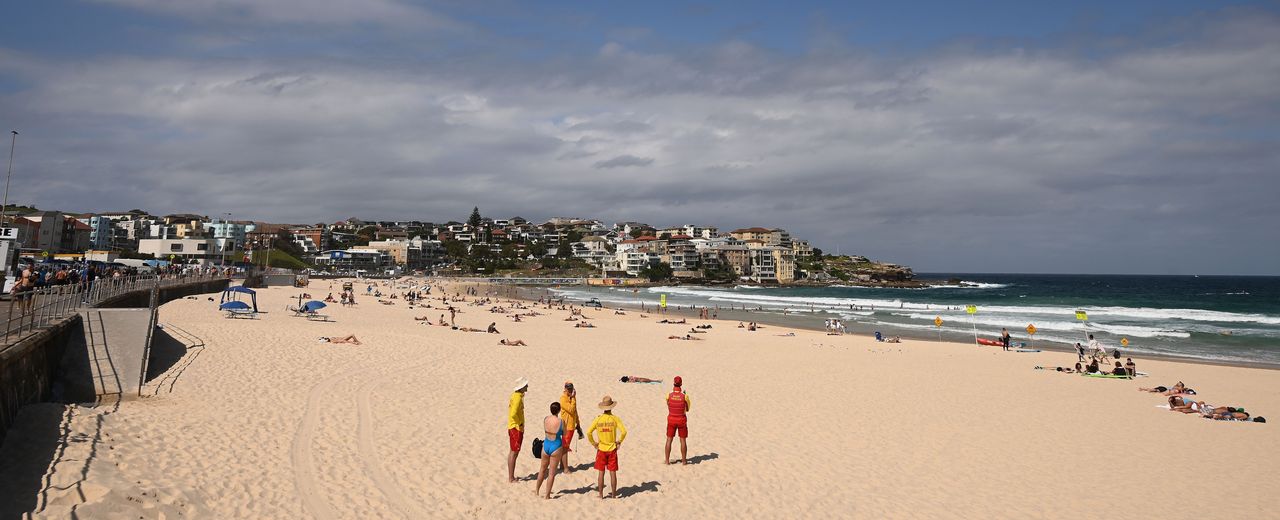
520	383
607	403
678	381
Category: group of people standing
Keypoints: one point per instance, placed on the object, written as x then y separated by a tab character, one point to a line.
606	434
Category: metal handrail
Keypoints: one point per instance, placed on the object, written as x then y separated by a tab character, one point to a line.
31	311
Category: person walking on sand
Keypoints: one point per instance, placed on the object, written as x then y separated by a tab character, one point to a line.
612	433
677	421
569	413
515	425
552	449
1004	338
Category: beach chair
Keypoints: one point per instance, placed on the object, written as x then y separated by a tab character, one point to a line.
310	311
238	310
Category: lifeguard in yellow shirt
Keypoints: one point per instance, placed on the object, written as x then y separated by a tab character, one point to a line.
515	425
612	433
569	414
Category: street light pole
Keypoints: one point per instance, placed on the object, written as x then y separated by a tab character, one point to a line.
226	233
4	211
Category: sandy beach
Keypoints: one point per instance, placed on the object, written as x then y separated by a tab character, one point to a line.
259	419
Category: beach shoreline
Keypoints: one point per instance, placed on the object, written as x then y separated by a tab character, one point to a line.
259	418
528	294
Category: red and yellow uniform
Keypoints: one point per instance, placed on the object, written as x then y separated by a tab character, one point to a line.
515	421
568	414
612	433
677	405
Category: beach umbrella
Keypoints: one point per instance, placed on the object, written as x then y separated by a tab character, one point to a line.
234	306
313	306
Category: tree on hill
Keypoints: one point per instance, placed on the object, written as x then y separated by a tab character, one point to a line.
474	220
455	248
657	272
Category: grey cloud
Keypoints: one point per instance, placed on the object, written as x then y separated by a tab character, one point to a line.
1060	161
392	12
623	161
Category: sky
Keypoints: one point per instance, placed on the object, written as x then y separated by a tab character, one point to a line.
1034	137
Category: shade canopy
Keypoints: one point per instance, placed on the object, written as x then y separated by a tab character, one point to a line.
313	306
234	306
232	294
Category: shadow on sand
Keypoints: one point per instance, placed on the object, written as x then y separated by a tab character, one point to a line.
624	492
703	458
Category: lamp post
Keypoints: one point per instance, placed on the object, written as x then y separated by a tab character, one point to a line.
226	233
4	211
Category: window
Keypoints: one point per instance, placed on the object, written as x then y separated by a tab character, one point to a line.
175	247
202	247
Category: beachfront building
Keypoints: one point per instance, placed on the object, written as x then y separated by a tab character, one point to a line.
773	237
99	230
52	232
763	267
352	260
801	249
414	253
784	265
183	250
594	250
736	257
231	235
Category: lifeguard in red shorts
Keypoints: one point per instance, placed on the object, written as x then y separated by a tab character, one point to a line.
677	421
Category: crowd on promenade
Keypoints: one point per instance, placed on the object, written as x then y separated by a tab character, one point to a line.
83	275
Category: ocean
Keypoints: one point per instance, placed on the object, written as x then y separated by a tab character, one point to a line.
1233	319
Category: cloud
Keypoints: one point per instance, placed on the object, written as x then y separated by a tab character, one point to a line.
959	159
623	161
328	12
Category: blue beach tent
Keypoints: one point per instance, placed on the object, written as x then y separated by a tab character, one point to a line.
232	295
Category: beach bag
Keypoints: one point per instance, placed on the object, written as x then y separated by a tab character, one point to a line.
537	448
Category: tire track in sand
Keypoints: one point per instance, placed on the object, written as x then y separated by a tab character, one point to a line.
383	481
304	470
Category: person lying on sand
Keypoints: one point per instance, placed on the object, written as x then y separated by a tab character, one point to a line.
1182	404
895	339
1177	389
571	318
619	313
512	343
685	337
583	325
349	339
468	329
423	318
516	318
696	331
1064	370
634	379
681	322
787	335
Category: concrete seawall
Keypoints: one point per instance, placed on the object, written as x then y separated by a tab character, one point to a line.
110	358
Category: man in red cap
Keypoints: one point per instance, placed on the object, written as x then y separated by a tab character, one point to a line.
677	422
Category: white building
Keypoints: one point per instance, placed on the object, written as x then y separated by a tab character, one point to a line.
229	234
183	249
352	259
